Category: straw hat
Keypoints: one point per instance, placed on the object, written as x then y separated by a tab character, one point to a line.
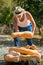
18	11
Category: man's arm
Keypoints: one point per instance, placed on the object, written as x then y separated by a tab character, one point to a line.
29	16
15	24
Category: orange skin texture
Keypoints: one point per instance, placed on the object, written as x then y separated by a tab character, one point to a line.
23	50
25	34
19	51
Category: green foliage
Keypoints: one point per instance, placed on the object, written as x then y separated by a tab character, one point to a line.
35	7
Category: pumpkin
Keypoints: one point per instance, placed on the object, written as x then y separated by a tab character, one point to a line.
12	57
14	53
28	57
25	57
23	51
38	57
21	54
25	34
33	47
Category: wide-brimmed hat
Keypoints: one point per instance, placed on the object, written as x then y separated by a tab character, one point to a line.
18	10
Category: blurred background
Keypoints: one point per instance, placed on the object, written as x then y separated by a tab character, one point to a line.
35	7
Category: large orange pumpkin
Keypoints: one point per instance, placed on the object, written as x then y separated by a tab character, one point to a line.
23	51
25	34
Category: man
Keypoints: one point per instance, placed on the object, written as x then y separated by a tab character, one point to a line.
23	21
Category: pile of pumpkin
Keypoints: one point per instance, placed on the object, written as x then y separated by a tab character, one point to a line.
17	54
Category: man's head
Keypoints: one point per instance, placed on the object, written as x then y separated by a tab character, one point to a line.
18	10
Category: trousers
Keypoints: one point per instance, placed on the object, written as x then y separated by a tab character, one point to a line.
21	29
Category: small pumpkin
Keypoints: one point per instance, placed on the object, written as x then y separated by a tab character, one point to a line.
33	47
12	57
